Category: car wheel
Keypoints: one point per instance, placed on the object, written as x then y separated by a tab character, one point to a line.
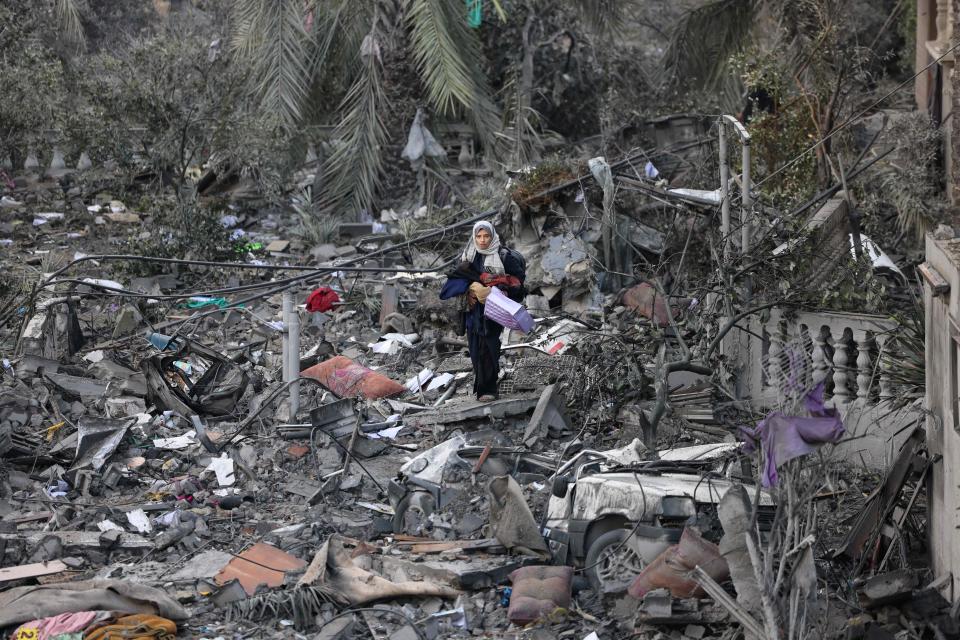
412	515
611	564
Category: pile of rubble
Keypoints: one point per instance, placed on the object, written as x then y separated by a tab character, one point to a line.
226	450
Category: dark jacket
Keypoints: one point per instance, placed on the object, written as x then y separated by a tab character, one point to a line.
476	323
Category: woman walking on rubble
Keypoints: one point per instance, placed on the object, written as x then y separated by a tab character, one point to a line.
485	263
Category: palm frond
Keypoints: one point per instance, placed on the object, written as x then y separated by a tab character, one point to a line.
903	358
335	27
448	57
353	172
603	17
704	39
246	17
68	23
270	35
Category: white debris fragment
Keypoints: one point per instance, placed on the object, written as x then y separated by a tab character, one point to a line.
177	442
223	467
138	520
416	383
109	525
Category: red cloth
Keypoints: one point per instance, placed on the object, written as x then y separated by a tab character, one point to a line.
322	299
490	280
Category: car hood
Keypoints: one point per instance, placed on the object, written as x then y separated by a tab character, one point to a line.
637	497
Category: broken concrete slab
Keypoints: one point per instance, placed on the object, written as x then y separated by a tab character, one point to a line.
82	540
479	572
337	629
124	407
128	320
468	409
201	566
127	381
76	387
888	588
548	417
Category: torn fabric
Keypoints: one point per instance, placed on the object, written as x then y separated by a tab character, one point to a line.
784	438
21	604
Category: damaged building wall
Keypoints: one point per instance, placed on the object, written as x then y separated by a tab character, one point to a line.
942	311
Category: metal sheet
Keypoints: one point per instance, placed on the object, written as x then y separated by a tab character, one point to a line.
260	564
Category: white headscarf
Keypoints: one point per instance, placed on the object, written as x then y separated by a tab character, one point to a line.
492	262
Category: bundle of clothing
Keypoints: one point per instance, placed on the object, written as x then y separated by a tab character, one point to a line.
459	281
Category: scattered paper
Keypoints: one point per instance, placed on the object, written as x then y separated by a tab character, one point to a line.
389	347
390	343
178	442
390	433
416	383
168	519
441	380
138	520
94	356
223	467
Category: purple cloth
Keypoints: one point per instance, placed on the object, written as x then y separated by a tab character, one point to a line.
506	312
784	438
454	287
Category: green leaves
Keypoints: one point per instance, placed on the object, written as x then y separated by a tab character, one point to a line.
352	174
705	38
448	57
270	35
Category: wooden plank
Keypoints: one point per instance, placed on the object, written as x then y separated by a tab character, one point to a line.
451	545
32	517
932	277
31	570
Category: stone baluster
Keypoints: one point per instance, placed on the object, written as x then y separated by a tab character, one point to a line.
886	385
864	364
821	367
58	165
943	20
31	164
841	390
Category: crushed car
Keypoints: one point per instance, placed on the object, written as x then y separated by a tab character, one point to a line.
610	512
612	515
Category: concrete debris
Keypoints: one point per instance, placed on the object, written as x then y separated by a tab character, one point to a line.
222	449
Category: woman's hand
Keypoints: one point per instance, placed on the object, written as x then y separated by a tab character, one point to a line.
479	292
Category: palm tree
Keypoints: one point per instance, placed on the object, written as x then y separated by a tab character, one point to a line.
303	51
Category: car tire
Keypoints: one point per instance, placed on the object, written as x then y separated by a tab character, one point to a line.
610	564
412	515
